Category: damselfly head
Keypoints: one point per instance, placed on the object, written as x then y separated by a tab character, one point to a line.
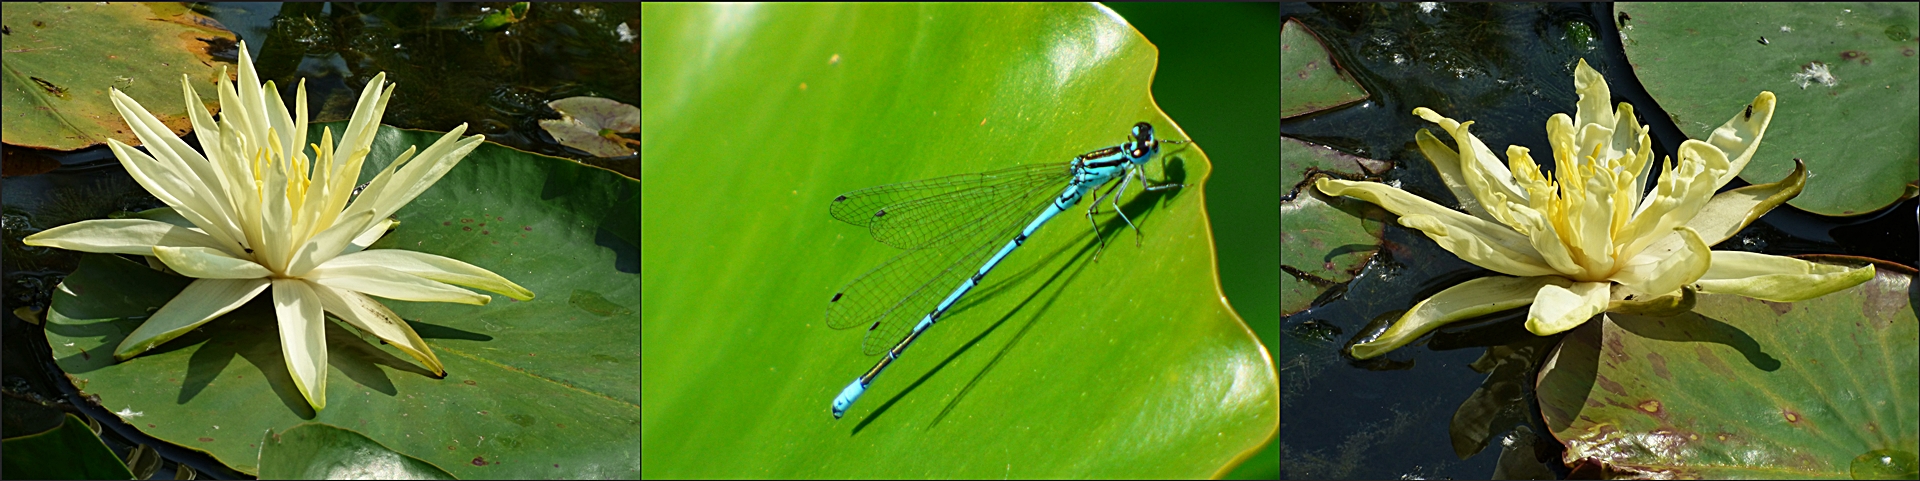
1143	131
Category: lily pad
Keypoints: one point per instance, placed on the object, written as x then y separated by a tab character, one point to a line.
551	384
68	451
1311	81
748	143
1847	76
1741	388
1324	240
59	67
590	124
325	451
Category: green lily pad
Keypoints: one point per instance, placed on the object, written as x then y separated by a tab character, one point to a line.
1324	240
1741	388
756	116
1846	75
551	384
68	451
325	451
1310	80
59	67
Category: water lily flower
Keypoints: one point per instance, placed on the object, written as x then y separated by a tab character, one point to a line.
1591	238
256	211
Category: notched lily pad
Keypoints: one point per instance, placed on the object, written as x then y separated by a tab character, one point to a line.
1843	73
1323	240
1311	81
1744	388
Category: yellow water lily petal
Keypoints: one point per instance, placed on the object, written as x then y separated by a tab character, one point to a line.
209	263
166	186
1777	278
1594	95
1447	162
303	338
1660	272
1467	300
373	318
438	268
1728	212
327	245
422	172
1740	136
1481	242
392	284
1480	169
190	171
120	236
1683	189
1557	309
369	236
200	302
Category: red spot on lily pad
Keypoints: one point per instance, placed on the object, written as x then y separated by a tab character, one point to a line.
527	228
466	228
447	223
478	461
466	221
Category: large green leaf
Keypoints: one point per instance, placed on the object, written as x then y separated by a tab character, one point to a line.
1741	388
755	116
540	388
58	68
1855	127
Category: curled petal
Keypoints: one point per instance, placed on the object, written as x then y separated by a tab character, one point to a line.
1740	136
1728	212
1557	309
1777	278
1467	300
1659	272
1680	195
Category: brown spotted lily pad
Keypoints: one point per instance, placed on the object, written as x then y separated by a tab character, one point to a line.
1741	388
59	67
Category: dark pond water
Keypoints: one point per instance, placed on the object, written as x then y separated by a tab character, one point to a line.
1510	66
450	69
